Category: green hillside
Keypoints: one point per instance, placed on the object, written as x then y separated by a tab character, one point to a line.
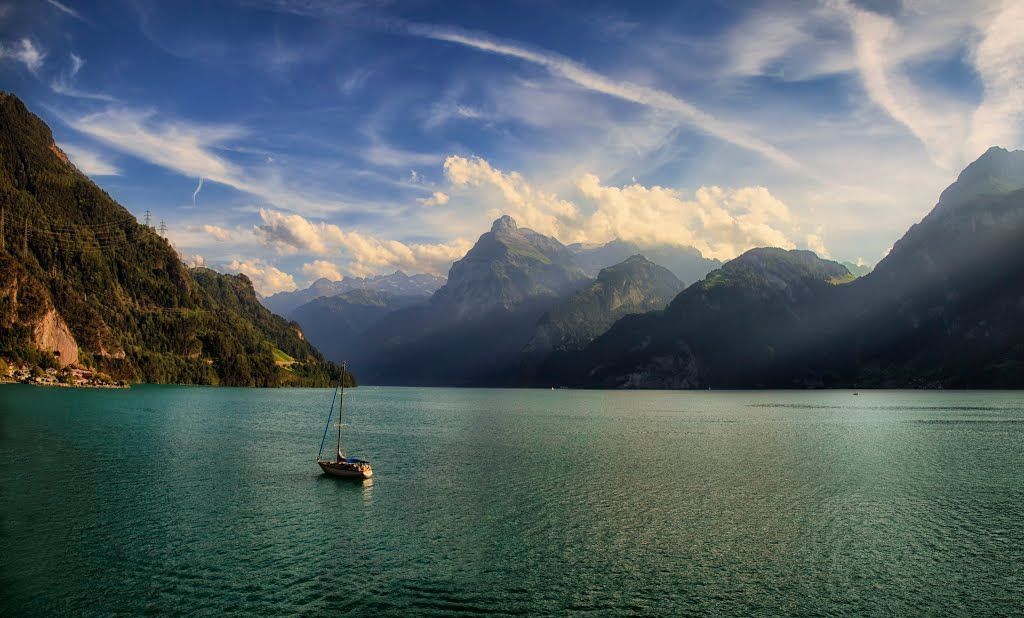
78	273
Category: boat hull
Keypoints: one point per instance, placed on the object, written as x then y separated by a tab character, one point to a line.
344	472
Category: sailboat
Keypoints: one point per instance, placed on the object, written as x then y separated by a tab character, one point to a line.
341	466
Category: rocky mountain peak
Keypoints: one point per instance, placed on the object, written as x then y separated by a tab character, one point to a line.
504	224
998	171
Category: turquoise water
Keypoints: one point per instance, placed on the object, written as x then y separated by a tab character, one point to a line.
199	500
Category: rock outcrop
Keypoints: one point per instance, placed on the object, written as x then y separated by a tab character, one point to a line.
52	334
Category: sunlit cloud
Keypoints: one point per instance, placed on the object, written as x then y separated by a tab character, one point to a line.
721	223
437	198
266	278
291	234
321	269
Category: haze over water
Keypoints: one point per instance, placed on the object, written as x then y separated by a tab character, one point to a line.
185	500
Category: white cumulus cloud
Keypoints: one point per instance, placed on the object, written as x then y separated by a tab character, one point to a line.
511	194
719	222
438	198
321	269
368	255
266	278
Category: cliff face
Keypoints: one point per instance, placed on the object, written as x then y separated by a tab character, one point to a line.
27	313
53	335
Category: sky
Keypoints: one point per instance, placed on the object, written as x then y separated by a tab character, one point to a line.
298	139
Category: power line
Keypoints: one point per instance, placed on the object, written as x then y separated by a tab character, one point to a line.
149	216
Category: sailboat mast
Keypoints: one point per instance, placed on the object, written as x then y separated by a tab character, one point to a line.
341	404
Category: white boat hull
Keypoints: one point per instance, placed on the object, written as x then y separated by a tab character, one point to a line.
343	472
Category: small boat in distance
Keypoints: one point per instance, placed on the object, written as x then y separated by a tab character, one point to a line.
344	467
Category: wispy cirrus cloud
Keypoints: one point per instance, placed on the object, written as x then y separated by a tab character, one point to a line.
64	83
202	149
67	10
186	147
591	80
999	119
886	51
24	51
89	161
939	128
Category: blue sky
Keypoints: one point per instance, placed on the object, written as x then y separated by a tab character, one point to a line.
351	138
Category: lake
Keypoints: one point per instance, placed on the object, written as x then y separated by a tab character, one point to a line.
185	500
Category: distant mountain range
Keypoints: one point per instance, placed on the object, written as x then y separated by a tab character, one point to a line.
82	283
397	283
334	323
945	308
537	289
636	285
686	263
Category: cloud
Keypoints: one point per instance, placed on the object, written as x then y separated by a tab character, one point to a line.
63	84
266	278
718	222
596	82
76	64
438	198
195	194
197	150
180	146
89	162
758	42
941	131
293	233
531	207
321	269
999	119
388	156
218	233
194	261
444	111
25	52
721	223
66	10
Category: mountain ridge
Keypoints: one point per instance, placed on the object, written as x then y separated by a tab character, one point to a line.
115	289
943	309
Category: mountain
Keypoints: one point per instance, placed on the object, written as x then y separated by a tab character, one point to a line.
397	284
945	308
333	323
857	270
507	267
473	329
736	328
686	263
81	278
636	285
